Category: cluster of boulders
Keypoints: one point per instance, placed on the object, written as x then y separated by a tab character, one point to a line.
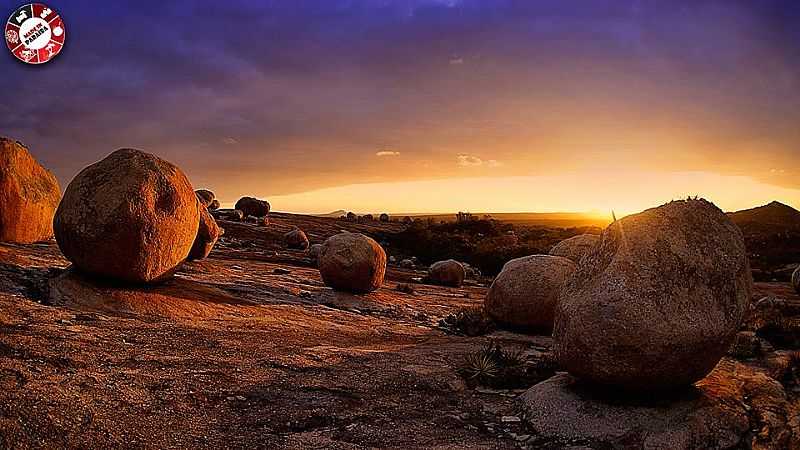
29	196
653	303
131	217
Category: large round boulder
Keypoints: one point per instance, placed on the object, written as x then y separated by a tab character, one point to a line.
352	262
132	217
526	291
29	196
253	207
296	239
658	303
796	280
446	273
575	248
205	197
207	235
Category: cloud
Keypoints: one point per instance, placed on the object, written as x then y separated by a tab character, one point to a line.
387	153
229	141
456	61
465	160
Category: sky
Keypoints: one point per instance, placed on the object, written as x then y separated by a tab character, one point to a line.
428	105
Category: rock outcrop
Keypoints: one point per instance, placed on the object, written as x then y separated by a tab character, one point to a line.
446	273
658	303
132	217
29	196
796	280
352	262
717	414
575	248
526	291
253	207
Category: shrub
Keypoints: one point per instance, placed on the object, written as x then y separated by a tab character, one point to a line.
500	368
470	321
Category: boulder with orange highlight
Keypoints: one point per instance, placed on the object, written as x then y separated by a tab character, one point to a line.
29	196
131	217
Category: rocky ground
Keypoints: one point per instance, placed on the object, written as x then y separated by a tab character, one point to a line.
249	349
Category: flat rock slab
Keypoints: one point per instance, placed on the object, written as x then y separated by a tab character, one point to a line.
716	414
178	299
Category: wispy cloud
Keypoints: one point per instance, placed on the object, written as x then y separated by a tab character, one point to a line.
229	141
465	160
387	153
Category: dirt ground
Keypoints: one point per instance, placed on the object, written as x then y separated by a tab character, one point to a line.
234	354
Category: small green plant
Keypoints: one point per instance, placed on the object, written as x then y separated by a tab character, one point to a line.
502	368
480	368
471	321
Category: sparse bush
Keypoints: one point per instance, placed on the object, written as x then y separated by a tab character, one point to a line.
500	368
471	321
483	243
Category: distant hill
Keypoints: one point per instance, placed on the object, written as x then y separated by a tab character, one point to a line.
775	214
334	214
772	236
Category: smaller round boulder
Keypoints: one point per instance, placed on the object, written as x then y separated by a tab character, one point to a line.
296	239
526	291
384	217
447	273
205	197
575	248
214	205
253	207
352	262
207	235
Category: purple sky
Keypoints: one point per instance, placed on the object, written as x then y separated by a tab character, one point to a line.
281	97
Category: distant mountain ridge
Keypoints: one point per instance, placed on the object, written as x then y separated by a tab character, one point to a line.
772	236
775	214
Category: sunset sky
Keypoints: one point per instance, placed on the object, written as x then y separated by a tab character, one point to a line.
428	105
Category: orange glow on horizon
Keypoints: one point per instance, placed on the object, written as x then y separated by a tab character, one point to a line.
596	193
